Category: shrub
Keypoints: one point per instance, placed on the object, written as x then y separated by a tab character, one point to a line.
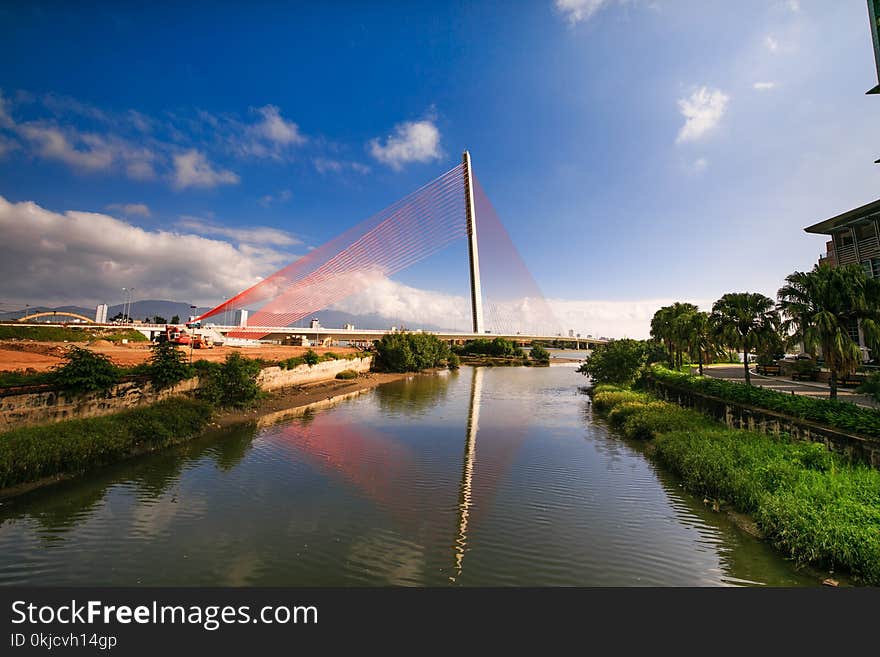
347	374
604	399
410	352
617	361
453	362
498	347
311	357
652	419
234	383
168	365
85	371
836	414
871	386
539	354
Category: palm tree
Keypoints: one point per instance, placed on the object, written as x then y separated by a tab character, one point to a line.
825	305
700	336
796	307
745	320
666	327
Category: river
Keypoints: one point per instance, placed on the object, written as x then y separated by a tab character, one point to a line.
485	476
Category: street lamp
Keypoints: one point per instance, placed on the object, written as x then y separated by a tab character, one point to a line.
191	338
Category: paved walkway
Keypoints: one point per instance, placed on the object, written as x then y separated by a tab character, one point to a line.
785	384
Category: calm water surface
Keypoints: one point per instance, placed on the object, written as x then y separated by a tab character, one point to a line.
490	476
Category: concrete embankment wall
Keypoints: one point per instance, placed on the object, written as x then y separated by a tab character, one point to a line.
272	378
865	449
40	405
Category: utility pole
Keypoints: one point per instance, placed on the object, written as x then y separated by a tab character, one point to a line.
471	222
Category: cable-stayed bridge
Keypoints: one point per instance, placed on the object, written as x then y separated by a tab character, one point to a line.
505	299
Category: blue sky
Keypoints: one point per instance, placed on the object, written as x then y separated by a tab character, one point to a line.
636	151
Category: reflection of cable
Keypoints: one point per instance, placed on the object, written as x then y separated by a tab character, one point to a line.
470	453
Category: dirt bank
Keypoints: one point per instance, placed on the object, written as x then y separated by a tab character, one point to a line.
24	355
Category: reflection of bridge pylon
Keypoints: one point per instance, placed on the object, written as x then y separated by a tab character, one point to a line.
470	453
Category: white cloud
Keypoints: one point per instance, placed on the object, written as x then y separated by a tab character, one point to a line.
243	235
702	112
327	165
412	306
270	137
613	319
275	129
82	152
130	209
412	141
771	43
576	11
794	5
281	197
764	86
700	165
81	257
417	308
192	169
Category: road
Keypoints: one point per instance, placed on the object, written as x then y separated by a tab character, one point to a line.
785	384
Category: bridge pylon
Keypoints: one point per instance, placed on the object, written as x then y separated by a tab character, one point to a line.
473	251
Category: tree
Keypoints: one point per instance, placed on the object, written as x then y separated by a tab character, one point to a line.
168	365
175	319
796	308
667	327
158	319
233	383
617	361
745	320
826	306
697	332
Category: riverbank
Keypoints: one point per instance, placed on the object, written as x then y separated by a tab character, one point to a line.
810	503
34	457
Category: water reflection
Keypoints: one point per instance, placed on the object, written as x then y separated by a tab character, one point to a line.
470	453
493	476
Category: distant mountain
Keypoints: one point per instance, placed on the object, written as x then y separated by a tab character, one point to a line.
18	314
151	308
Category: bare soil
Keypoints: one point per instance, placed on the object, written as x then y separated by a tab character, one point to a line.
22	355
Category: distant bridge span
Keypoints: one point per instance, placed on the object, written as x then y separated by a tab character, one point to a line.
55	313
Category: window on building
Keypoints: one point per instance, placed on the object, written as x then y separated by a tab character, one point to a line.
844	238
872	267
865	231
853	330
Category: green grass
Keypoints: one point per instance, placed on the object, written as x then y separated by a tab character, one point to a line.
809	502
834	414
74	446
70	334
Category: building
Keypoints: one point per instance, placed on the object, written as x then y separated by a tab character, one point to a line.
101	313
855	239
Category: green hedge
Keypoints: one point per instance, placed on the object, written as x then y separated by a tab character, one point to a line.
73	446
810	502
835	414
